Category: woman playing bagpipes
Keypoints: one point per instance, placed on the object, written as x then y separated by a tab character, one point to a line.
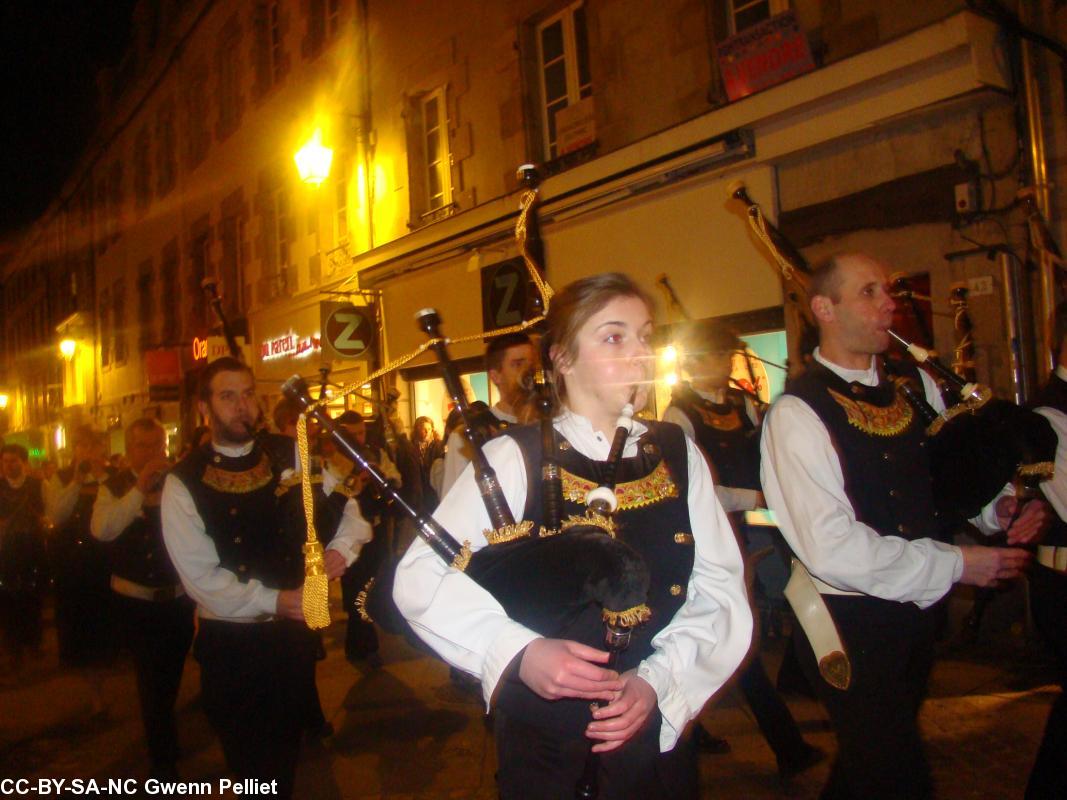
598	343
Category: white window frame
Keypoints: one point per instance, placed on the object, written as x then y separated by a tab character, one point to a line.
570	59
341	187
442	159
774	7
282	246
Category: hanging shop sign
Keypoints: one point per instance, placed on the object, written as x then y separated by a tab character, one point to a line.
508	294
347	330
764	55
289	345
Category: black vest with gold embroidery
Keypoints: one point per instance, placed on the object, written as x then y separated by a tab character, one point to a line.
138	554
653	518
725	433
245	511
880	443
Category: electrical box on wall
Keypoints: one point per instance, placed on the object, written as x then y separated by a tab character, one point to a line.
966	198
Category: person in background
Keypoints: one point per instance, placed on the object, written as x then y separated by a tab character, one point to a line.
85	622
507	360
23	560
154	612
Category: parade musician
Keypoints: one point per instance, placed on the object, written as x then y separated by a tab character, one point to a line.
233	524
154	613
599	330
846	473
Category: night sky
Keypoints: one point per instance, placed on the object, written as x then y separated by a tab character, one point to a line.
49	53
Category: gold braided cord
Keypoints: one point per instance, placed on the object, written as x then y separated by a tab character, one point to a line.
627	618
315	600
759	227
526	203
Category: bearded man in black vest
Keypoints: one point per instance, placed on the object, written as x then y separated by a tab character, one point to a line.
235	536
845	471
1048	579
154	612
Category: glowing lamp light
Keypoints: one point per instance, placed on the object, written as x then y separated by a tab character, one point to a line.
67	348
4	399
313	160
671	378
669	354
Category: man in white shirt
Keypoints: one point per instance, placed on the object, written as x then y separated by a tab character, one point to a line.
846	473
507	359
153	611
233	525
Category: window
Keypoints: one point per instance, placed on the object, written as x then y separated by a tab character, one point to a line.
333	17
280	208
118	319
228	68
277	59
142	169
231	264
563	68
165	155
146	305
268	23
341	196
103	229
316	28
746	13
438	174
105	327
198	268
170	291
115	197
197	135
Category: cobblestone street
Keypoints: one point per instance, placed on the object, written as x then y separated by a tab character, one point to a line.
405	731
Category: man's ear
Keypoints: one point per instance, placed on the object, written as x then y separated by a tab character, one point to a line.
822	308
205	412
495	377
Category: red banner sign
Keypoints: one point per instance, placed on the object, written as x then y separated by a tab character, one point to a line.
764	55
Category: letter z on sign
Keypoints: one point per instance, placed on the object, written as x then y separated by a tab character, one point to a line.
349	331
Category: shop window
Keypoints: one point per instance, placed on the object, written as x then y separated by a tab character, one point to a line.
563	69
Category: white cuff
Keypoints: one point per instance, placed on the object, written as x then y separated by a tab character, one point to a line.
511	639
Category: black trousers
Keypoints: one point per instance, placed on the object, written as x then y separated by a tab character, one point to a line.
158	636
540	764
1048	595
880	754
253	680
775	721
20	619
361	637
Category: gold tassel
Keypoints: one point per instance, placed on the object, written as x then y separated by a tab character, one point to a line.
316	597
606	524
509	533
361	601
629	618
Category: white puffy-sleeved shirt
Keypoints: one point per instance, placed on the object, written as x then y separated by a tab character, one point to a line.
695	653
216	590
805	487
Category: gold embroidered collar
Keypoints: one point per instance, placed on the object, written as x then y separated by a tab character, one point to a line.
239	482
654	487
892	420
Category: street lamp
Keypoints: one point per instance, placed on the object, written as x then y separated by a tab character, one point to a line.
4	399
67	348
313	160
